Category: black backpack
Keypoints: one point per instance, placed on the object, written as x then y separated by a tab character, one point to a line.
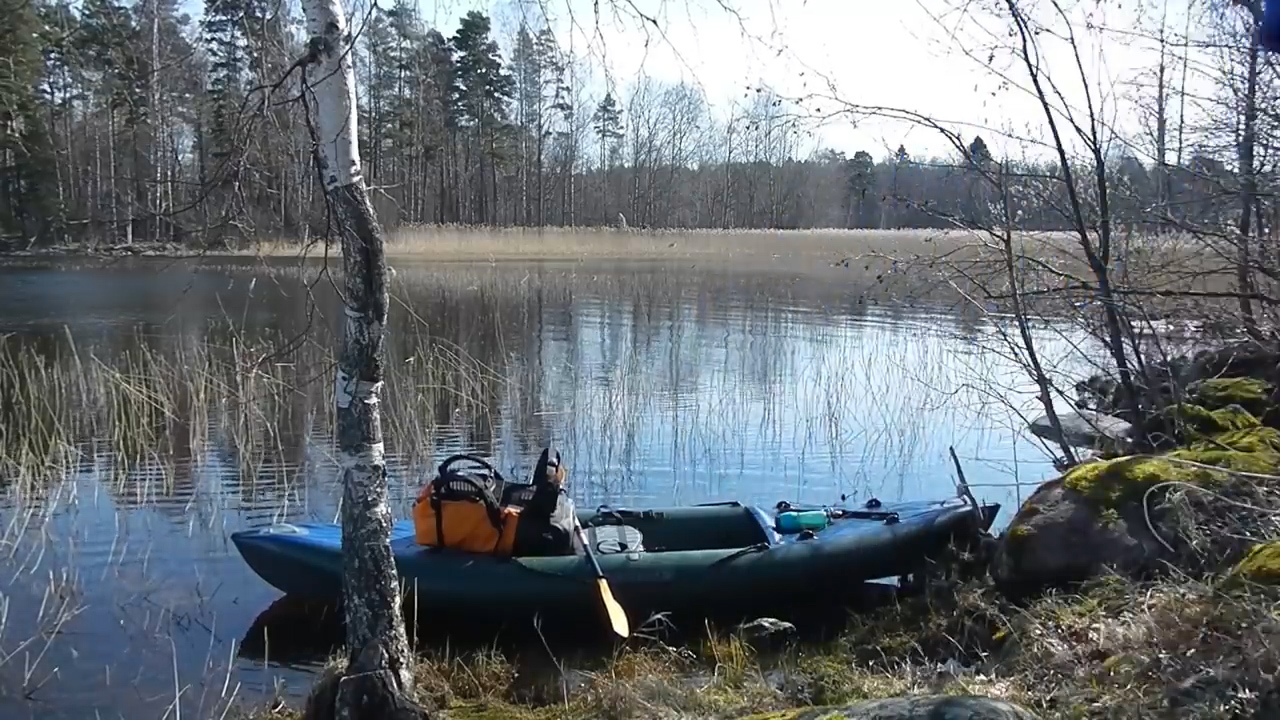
547	513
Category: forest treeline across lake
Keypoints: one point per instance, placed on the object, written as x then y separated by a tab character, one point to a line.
130	121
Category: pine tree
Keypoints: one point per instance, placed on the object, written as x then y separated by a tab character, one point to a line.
226	48
527	67
24	142
607	123
441	95
482	89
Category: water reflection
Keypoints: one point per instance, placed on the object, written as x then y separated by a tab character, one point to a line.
198	397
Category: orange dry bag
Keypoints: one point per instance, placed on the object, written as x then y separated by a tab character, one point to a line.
460	510
483	512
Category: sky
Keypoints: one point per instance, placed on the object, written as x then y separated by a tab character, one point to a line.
932	57
927	56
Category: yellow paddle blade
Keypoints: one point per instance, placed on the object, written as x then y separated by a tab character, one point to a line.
617	618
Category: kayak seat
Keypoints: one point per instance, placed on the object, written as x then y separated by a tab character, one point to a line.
614	538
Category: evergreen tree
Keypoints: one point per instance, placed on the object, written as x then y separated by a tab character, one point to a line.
527	73
482	89
25	157
978	154
862	177
607	123
443	130
226	48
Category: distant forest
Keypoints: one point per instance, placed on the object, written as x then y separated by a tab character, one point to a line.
129	122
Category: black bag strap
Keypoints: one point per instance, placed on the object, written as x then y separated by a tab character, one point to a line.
492	509
435	505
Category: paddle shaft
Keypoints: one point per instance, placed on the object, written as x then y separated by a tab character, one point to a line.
586	547
617	617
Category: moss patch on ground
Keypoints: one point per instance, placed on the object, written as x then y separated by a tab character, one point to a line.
1188	421
1261	565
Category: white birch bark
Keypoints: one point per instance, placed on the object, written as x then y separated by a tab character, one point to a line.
378	681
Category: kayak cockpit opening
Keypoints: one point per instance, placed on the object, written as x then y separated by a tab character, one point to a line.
679	529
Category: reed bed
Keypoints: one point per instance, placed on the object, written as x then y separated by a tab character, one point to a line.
478	242
159	405
631	386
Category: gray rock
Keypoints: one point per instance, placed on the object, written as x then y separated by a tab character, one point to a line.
1084	428
766	632
766	626
921	707
1059	537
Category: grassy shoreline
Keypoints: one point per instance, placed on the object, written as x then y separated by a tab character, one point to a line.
1194	639
826	247
1111	648
958	268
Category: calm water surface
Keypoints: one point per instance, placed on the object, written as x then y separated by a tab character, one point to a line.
661	385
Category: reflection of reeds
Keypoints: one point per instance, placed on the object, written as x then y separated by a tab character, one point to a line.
29	639
150	409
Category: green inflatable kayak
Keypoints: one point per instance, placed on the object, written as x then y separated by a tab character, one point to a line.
669	558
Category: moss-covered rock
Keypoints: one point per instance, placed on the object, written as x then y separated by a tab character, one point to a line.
1258	440
1113	483
1252	394
1116	482
1095	517
1060	535
1261	565
1186	422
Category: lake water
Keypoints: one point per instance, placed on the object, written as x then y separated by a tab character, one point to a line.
660	384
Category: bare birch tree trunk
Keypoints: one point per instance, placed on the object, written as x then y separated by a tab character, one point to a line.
378	682
1248	189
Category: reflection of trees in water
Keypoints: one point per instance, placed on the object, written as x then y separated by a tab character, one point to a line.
659	372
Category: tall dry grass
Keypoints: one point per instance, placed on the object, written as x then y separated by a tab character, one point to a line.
1159	276
462	242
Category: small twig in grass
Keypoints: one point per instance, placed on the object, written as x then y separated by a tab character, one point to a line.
564	690
1146	507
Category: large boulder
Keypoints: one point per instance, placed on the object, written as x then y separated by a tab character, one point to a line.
1253	395
919	707
1084	429
1106	514
1060	536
